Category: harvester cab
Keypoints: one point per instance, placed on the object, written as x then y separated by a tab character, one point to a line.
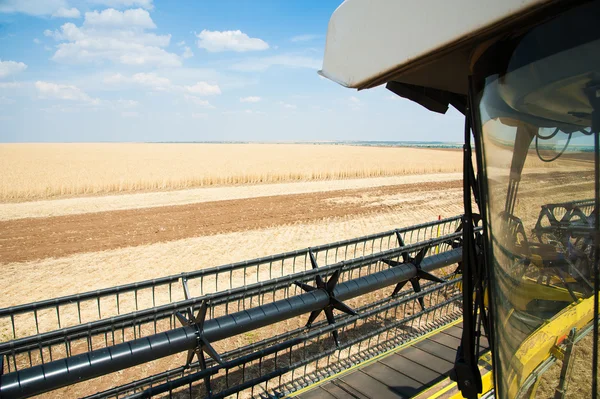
526	76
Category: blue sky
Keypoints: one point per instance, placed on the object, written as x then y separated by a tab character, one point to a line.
144	70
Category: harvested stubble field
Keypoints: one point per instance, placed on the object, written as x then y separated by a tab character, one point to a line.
57	239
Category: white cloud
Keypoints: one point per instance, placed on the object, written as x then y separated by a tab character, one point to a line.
181	43
150	80
37	41
230	40
8	68
66	13
197	101
187	53
156	82
63	92
32	7
304	38
112	18
203	89
68	31
116	36
288	106
147	4
250	99
115	79
286	60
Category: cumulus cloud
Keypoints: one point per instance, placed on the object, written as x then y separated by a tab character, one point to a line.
156	82
304	38
63	92
250	99
115	79
32	7
197	101
116	36
149	80
113	18
230	40
187	53
147	4
203	89
66	13
8	68
260	64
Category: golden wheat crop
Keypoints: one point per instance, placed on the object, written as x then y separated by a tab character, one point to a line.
39	171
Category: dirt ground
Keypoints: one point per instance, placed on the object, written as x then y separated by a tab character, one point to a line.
37	238
29	239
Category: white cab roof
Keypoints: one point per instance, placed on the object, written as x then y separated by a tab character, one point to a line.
368	41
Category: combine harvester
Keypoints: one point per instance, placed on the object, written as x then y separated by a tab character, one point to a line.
496	296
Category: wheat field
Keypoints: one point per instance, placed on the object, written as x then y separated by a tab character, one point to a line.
41	171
